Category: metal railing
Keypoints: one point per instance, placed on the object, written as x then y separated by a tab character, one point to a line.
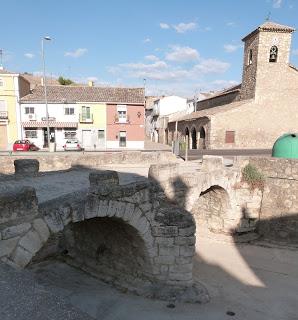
84	118
3	115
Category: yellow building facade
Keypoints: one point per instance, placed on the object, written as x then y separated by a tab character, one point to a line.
92	125
12	88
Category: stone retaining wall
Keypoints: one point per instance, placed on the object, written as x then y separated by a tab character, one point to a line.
64	161
279	208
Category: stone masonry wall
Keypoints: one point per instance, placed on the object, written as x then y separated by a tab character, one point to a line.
166	232
279	209
65	161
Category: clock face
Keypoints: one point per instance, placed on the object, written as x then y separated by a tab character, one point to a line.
275	41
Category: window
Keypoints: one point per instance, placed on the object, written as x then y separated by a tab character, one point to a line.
249	62
30	134
1	83
29	110
68	111
2	105
122	139
70	134
101	134
230	137
273	54
86	112
122	113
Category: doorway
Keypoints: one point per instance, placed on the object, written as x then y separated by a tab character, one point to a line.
45	136
122	139
202	143
86	139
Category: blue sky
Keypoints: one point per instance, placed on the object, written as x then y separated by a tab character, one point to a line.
179	46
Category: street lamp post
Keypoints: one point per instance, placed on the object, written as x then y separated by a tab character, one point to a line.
45	87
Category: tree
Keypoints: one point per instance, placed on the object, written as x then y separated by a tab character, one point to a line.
64	81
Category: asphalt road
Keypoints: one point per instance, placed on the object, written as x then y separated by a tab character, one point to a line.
198	154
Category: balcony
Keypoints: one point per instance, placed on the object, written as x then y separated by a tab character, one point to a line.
3	115
86	118
121	119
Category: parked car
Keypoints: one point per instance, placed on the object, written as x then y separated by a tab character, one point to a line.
24	145
72	145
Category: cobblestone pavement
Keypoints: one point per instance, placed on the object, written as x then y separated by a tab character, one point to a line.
55	184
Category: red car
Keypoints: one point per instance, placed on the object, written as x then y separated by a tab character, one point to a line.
24	145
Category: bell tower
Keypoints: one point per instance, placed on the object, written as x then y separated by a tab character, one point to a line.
266	58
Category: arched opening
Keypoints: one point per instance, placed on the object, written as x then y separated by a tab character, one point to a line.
211	209
273	54
193	138
109	248
187	137
202	141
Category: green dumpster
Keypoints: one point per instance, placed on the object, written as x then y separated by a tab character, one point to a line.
286	146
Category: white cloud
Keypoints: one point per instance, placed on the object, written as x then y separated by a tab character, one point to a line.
231	47
76	53
151	57
277	3
147	40
211	66
182	54
29	55
184	27
295	52
164	25
230	24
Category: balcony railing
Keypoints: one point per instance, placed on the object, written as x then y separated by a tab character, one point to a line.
121	120
4	115
86	118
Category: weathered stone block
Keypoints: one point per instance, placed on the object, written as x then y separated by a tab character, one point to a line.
103	182
183	260
184	232
14	231
180	276
168	250
22	257
103	208
42	229
164	260
31	242
170	231
28	167
54	221
185	240
181	268
7	246
129	211
187	251
17	204
164	241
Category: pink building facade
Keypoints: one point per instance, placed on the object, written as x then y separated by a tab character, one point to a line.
125	126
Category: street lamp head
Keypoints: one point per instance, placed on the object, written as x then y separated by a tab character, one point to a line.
47	38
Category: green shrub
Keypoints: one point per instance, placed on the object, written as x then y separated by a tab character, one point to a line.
253	177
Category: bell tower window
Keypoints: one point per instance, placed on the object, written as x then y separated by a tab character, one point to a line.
249	61
273	54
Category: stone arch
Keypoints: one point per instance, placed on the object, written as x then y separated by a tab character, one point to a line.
194	138
202	138
211	210
187	138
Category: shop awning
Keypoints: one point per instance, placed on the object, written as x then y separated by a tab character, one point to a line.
52	124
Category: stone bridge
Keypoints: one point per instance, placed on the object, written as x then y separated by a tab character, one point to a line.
139	236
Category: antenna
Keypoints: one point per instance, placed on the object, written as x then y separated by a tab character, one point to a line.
268	16
1	58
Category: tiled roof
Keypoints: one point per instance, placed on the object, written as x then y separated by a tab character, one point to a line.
212	111
271	26
72	94
229	90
